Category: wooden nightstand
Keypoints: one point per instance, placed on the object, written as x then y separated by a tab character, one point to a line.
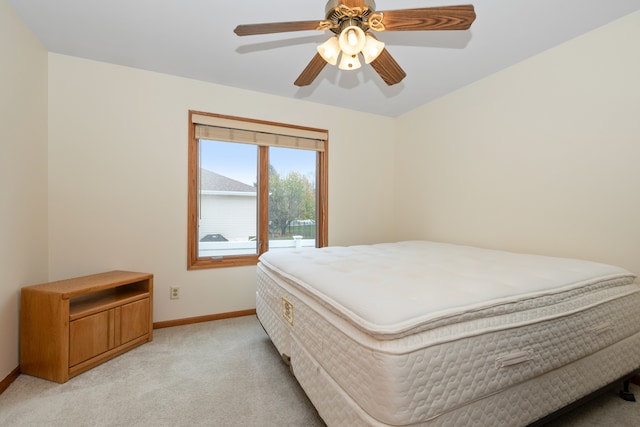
70	326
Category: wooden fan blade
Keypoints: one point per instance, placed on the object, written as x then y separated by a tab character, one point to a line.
310	73
388	68
276	27
429	18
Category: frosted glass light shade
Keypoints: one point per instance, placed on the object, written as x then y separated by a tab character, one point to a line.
352	40
349	62
330	50
372	49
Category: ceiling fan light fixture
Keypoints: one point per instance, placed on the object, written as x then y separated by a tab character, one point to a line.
352	40
330	50
349	62
372	49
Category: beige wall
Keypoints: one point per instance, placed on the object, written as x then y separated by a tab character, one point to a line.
118	177
23	174
542	157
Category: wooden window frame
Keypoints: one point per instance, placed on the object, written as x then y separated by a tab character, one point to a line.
197	263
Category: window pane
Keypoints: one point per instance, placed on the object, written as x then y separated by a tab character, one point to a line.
227	199
292	198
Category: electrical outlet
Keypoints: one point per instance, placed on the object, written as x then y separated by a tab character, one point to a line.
174	292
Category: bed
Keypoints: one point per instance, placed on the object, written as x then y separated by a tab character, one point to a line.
420	333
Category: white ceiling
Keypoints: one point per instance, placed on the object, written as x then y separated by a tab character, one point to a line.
195	39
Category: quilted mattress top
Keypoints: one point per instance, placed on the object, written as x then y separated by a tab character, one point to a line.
390	289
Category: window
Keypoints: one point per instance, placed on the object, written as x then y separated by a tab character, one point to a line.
253	186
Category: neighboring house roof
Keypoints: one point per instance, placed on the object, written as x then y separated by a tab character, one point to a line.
211	181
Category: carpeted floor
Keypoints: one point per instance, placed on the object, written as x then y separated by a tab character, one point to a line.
222	373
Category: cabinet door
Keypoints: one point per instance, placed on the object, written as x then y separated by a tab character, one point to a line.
134	320
89	336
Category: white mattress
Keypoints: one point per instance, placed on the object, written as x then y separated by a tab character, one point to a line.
414	331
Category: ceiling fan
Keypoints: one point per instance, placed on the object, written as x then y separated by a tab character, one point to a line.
352	22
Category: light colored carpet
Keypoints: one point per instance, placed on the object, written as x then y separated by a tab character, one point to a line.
222	373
